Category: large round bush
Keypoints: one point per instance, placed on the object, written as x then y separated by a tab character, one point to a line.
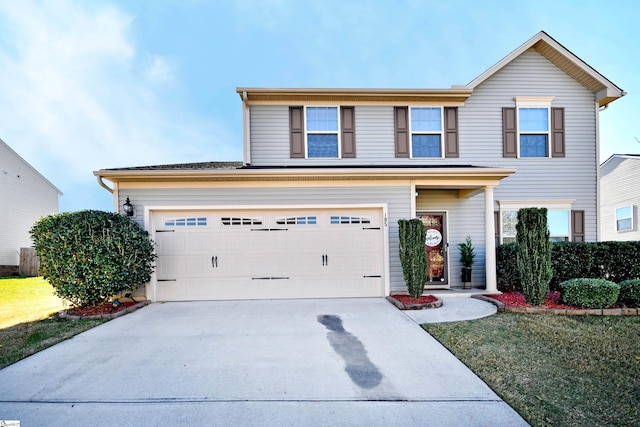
589	293
89	256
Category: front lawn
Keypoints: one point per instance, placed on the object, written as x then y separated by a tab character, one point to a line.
554	370
25	299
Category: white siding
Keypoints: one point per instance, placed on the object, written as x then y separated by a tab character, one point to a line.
397	198
25	197
619	188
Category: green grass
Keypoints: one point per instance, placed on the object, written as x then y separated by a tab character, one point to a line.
25	299
25	339
26	321
554	370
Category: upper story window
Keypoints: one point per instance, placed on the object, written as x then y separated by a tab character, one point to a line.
426	132
533	129
322	132
533	126
624	218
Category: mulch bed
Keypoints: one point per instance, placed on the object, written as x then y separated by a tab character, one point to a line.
516	299
102	311
405	302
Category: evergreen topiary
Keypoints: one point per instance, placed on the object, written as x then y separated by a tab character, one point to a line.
413	256
89	256
533	254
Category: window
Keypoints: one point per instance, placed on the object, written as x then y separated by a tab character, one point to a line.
426	131
186	222
322	132
561	221
533	129
624	218
349	220
299	220
240	221
533	124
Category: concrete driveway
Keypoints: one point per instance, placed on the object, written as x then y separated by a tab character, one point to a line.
282	363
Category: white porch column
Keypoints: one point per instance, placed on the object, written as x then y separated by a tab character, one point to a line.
489	241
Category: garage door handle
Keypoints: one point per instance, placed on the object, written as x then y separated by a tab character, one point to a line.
325	259
214	261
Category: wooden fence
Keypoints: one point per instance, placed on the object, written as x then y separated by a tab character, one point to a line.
29	263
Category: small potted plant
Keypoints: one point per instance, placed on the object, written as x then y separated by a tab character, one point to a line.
467	258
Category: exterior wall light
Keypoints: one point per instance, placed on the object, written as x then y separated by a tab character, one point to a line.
128	207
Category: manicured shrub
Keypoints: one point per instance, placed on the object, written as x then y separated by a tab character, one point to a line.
570	260
617	261
533	254
630	292
507	268
413	256
589	293
89	256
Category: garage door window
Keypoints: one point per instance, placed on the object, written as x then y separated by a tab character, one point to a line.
298	220
240	221
186	222
349	220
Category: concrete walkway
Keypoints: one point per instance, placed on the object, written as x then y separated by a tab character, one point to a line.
454	309
284	362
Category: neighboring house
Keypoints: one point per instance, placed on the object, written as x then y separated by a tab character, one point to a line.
25	197
312	210
620	197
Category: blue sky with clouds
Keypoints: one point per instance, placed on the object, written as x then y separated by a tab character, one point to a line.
99	84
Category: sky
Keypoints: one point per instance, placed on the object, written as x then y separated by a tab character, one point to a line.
89	85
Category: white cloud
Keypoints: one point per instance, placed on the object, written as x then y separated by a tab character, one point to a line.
76	95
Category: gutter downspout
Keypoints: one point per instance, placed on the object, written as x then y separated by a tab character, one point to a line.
103	185
246	128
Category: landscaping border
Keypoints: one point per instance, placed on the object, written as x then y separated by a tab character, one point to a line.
402	306
109	316
562	311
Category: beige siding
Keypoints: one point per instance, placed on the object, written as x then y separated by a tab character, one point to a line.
25	197
619	188
397	198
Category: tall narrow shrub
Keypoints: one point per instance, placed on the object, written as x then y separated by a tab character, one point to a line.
413	256
533	254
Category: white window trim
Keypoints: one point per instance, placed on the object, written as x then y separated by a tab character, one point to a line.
322	132
516	205
534	102
441	133
631	218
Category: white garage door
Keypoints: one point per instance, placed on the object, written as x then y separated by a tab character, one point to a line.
257	254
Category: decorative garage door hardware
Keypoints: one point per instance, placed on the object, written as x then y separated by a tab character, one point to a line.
371	228
374	276
165	231
166	280
325	259
269	278
214	261
269	229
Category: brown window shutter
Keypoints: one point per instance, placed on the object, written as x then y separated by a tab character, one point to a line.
496	225
509	132
401	116
348	123
296	132
577	226
451	132
557	132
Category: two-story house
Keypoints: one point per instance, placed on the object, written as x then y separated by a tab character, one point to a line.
312	210
25	197
620	197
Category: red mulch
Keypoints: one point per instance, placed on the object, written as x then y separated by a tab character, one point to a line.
104	308
516	299
406	299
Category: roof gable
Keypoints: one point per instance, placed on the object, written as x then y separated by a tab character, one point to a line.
30	167
605	90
